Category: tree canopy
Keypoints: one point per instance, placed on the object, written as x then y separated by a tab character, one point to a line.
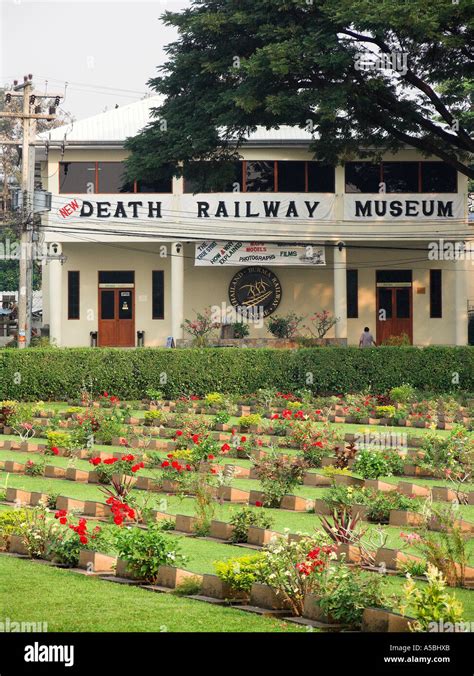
238	64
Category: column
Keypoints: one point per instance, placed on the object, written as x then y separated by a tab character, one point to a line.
340	291
177	290
55	300
460	302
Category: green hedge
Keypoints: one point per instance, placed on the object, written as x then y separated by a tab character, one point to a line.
58	374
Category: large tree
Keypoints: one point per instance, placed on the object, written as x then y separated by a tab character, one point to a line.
241	63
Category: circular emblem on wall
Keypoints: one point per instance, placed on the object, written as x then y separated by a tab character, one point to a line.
255	287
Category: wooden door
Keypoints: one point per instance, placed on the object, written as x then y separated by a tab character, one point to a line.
116	318
394	312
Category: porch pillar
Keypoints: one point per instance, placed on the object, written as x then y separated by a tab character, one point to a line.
177	290
460	302
55	300
340	291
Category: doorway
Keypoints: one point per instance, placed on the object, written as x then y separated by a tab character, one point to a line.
394	304
116	309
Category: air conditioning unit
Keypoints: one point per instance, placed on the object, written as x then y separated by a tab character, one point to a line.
41	200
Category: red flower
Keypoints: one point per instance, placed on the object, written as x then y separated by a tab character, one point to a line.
210	456
258	503
188	467
225	448
95	461
178	433
110	461
55	450
83	539
243	440
105	394
165	463
275	416
195	438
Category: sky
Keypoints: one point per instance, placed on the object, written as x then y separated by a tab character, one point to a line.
105	51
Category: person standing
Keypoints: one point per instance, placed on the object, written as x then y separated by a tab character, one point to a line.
367	339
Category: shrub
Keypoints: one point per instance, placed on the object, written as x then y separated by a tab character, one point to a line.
447	550
348	591
379	505
402	394
11	521
385	411
188	587
34	468
222	418
153	417
240	329
58	439
60	374
214	399
252	420
285	326
146	550
278	476
430	602
295	568
452	455
372	464
246	517
241	573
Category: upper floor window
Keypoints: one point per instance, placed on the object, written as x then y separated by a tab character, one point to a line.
196	181
402	177
438	177
266	176
103	178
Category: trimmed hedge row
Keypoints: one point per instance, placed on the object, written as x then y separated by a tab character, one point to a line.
58	374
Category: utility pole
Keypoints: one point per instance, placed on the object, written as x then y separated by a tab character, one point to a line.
29	119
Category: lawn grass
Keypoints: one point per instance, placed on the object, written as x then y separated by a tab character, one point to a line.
34	592
91	599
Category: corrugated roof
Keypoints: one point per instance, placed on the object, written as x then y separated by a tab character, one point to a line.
119	123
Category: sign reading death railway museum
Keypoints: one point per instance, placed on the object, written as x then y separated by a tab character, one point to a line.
215	253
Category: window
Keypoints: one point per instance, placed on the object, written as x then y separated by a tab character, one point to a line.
158	294
320	177
438	177
400	176
158	185
406	177
436	294
230	180
111	178
104	178
77	177
260	176
291	176
352	286
73	295
362	177
116	277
